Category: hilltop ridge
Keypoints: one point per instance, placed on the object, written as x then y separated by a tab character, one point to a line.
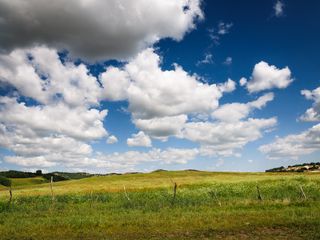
304	167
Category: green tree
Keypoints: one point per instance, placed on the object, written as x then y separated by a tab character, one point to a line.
7	183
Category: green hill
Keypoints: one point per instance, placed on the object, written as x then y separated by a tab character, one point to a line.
18	182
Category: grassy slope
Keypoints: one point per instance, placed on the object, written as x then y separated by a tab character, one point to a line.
22	182
97	208
141	182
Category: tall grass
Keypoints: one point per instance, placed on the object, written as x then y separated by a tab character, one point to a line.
97	213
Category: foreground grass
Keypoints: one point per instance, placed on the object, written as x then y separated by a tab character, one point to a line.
207	206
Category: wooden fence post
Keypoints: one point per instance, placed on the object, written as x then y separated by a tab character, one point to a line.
125	193
302	192
10	193
175	186
215	195
51	187
259	194
175	190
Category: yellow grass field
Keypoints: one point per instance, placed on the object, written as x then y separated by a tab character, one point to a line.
207	205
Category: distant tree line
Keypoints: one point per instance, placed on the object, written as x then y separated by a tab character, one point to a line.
305	164
20	174
297	168
277	169
57	176
17	174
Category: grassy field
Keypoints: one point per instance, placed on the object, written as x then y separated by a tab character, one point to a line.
206	206
17	182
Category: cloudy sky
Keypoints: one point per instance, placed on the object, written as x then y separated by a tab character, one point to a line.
116	86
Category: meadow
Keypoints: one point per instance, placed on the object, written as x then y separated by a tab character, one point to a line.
206	205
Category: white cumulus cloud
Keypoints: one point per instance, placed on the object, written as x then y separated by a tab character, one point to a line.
265	77
112	139
312	114
53	113
29	72
128	161
225	138
139	140
162	127
232	112
294	145
156	95
40	151
94	29
79	122
243	81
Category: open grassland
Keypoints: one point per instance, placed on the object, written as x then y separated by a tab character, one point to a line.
206	206
17	182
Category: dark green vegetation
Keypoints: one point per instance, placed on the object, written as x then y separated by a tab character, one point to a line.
206	206
17	174
304	167
57	176
5	181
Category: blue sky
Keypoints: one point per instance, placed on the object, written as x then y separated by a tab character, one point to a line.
114	88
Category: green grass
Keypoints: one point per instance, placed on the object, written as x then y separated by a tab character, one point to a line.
97	207
17	182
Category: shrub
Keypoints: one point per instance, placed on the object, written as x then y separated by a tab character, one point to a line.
5	181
